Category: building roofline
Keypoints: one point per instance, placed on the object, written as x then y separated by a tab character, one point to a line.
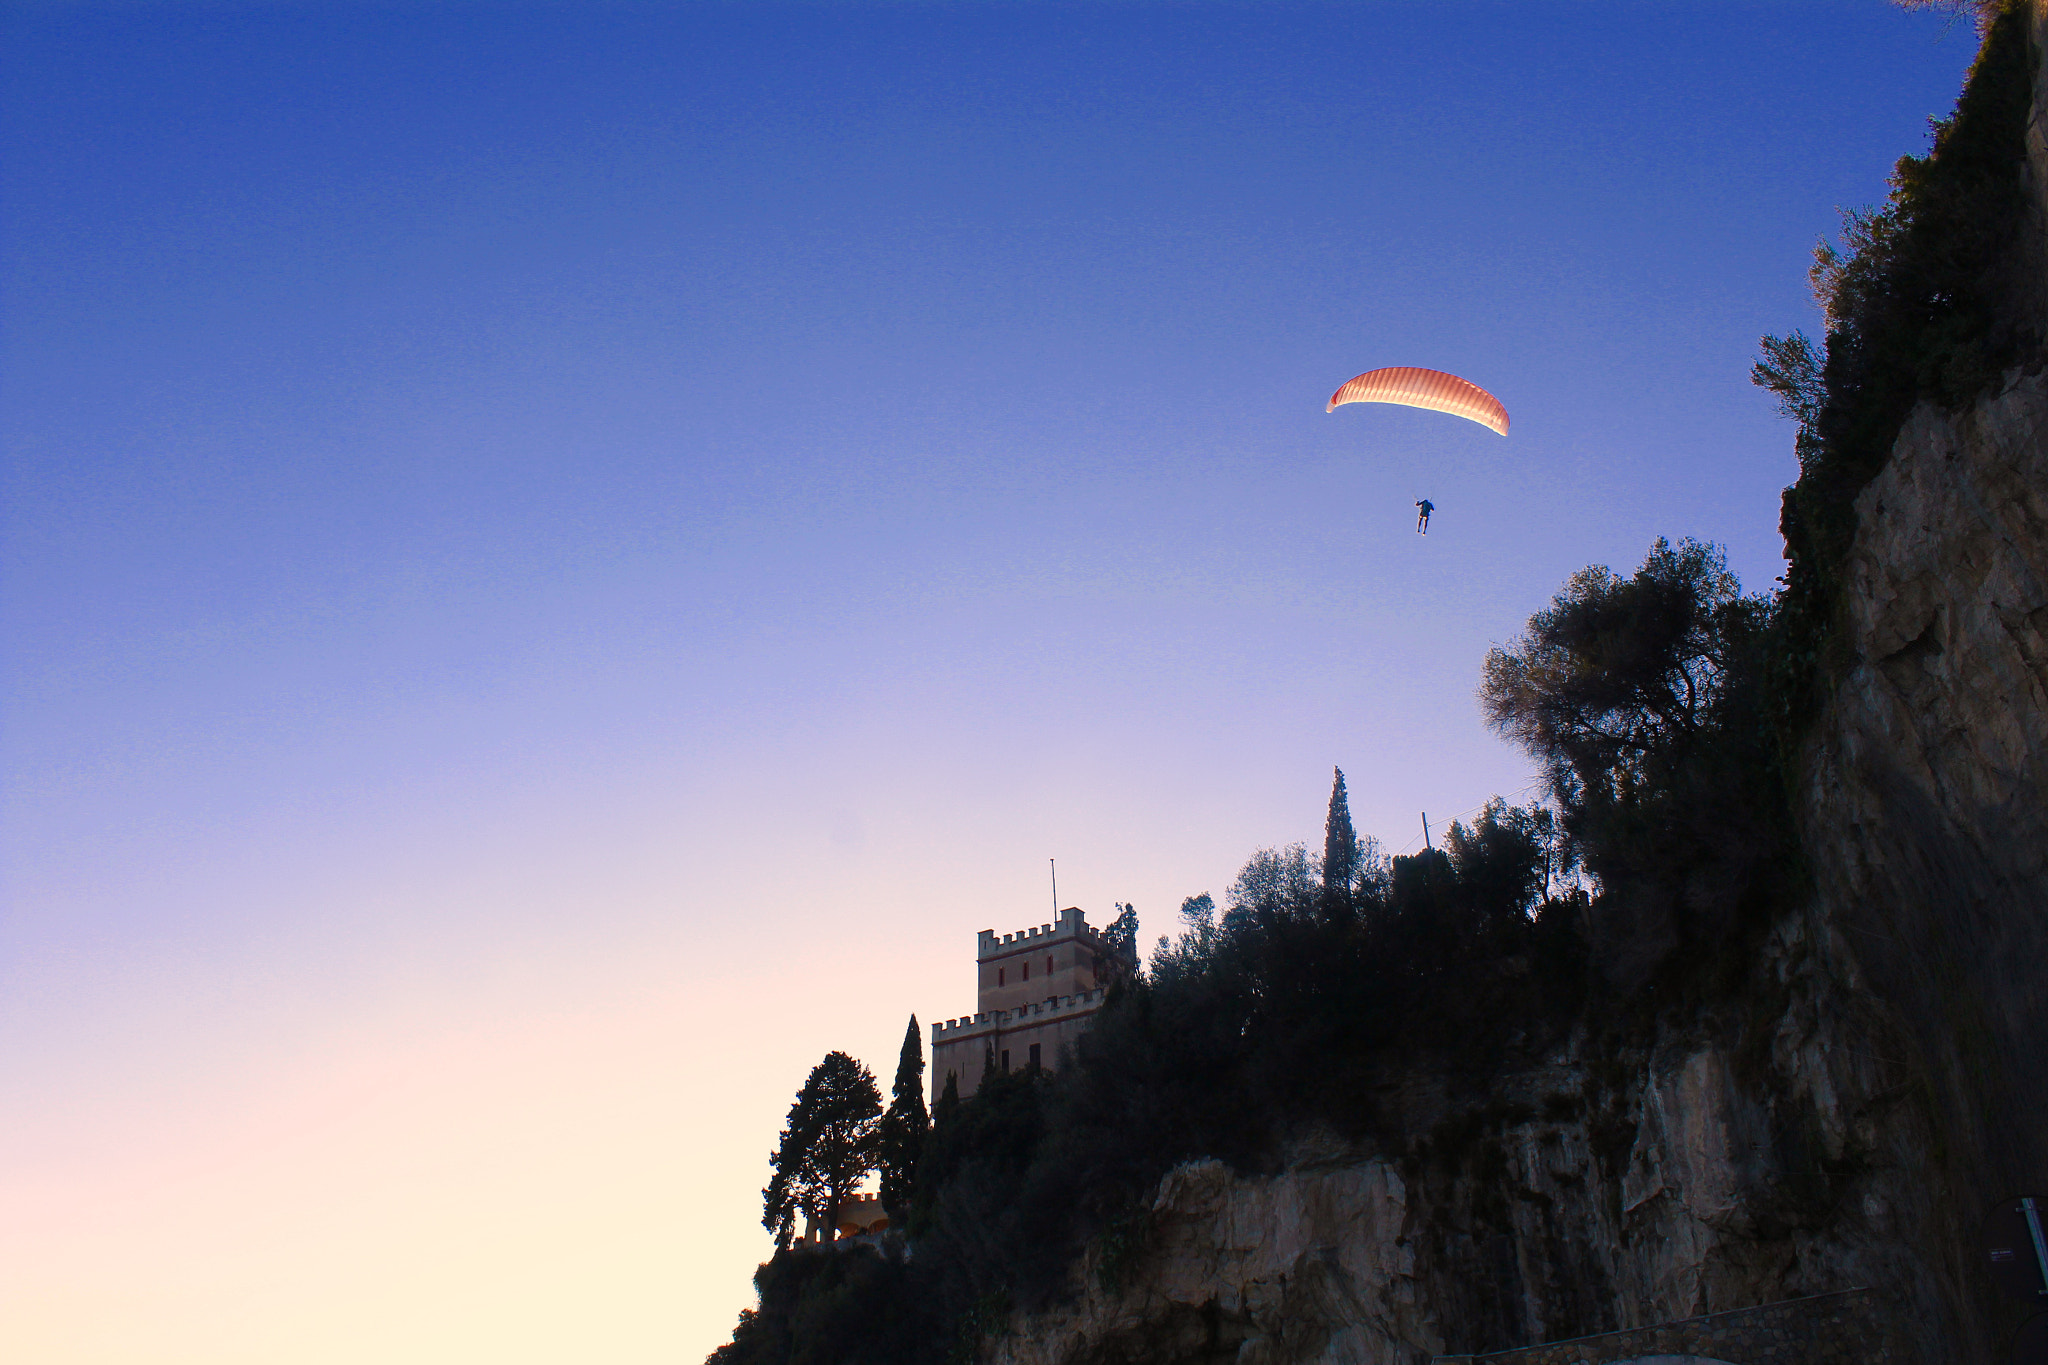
1072	925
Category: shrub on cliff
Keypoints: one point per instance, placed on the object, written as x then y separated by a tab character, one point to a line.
1931	295
858	1305
1643	699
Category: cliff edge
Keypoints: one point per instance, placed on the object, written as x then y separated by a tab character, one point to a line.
1841	1125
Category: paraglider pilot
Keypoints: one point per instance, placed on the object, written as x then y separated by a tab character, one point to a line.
1422	511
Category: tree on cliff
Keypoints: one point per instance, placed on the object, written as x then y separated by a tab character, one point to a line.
904	1128
827	1146
1505	858
1933	294
1122	936
1273	885
1617	678
1640	695
1340	848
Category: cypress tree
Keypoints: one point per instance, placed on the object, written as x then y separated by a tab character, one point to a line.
904	1128
1340	847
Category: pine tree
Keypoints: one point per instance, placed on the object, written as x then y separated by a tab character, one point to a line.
827	1146
1340	848
904	1128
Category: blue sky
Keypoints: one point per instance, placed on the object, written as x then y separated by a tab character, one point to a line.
664	517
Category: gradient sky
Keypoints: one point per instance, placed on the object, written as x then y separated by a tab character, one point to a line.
560	562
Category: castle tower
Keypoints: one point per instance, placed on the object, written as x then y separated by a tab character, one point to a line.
1036	991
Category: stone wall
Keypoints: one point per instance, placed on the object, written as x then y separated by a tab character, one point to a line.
961	1047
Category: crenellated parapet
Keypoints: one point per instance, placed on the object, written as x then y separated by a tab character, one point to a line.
855	1216
1049	1010
1071	925
1036	990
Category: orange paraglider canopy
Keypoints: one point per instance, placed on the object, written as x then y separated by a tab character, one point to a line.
1418	388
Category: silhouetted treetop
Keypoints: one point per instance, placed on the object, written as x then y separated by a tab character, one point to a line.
1618	669
900	1139
1340	847
827	1145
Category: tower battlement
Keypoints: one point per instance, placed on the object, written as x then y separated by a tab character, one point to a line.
1036	989
1071	924
951	1030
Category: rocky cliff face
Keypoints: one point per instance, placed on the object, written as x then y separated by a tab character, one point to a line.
1926	805
1927	802
1590	1196
1846	1125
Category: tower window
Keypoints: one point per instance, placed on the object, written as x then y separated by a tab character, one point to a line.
1006	1061
999	976
1048	966
1027	971
1034	1056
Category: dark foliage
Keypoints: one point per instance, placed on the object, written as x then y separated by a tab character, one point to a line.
827	1145
1340	846
1645	699
1617	680
1933	296
1122	936
855	1304
900	1138
972	1217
